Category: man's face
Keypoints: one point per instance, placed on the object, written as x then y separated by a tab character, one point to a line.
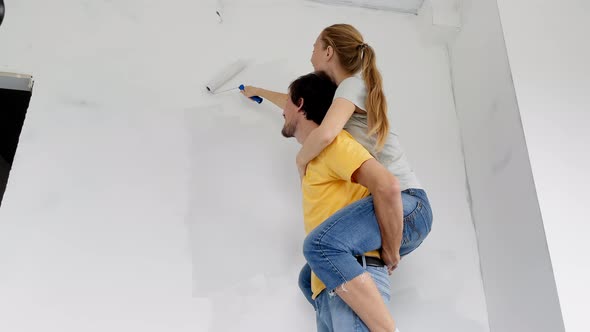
291	114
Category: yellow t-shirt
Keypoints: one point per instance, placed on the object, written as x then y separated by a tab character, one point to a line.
327	186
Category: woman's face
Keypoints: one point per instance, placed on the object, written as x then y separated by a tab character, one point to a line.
318	55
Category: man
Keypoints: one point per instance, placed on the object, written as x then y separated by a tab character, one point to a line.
344	173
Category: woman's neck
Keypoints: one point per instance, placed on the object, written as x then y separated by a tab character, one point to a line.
338	75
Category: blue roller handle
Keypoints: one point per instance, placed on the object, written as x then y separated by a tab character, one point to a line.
255	98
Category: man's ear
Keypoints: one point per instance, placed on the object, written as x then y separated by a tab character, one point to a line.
300	106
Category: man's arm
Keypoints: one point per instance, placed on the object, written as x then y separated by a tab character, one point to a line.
387	199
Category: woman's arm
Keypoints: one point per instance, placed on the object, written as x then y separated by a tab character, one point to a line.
277	98
340	111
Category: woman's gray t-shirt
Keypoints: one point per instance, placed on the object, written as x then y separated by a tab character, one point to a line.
392	155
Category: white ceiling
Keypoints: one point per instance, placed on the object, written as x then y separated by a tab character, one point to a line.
405	6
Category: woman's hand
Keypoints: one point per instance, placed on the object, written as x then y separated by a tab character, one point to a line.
250	91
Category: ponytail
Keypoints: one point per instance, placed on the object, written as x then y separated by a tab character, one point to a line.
376	103
354	56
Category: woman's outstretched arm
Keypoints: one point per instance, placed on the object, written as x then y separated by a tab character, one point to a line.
277	98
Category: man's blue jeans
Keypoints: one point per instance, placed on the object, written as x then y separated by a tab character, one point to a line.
352	231
334	315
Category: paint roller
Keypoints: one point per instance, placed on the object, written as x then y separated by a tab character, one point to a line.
219	10
227	74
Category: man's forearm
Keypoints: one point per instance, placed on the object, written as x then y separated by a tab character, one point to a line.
390	214
387	200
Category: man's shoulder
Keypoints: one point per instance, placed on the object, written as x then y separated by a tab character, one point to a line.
343	145
343	140
342	157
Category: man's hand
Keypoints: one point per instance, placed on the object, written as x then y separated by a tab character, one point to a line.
391	259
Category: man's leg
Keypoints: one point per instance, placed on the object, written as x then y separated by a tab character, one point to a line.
344	319
354	230
329	250
362	295
322	321
322	313
305	283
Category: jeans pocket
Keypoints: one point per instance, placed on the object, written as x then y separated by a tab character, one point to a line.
413	225
317	304
426	217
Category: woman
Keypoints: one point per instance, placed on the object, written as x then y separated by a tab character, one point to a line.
359	106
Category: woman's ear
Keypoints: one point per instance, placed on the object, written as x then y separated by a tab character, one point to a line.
329	52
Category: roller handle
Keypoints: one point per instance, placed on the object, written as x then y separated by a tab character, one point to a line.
255	98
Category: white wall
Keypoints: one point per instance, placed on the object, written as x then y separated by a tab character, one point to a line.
139	202
549	52
517	275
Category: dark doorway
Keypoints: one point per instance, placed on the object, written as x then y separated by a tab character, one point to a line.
15	95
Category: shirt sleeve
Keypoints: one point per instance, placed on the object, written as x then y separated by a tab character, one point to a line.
345	156
352	89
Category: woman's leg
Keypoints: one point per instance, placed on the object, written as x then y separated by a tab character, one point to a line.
417	219
354	230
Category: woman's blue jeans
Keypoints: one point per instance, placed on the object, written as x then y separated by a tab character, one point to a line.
330	249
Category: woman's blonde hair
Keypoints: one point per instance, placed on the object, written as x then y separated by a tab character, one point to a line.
354	56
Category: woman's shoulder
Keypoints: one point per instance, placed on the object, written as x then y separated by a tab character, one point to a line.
352	82
352	86
353	89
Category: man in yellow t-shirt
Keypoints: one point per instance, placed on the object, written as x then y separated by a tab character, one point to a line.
342	174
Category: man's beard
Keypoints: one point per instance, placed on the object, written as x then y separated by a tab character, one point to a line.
288	130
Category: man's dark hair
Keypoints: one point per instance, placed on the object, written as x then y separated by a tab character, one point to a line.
317	91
